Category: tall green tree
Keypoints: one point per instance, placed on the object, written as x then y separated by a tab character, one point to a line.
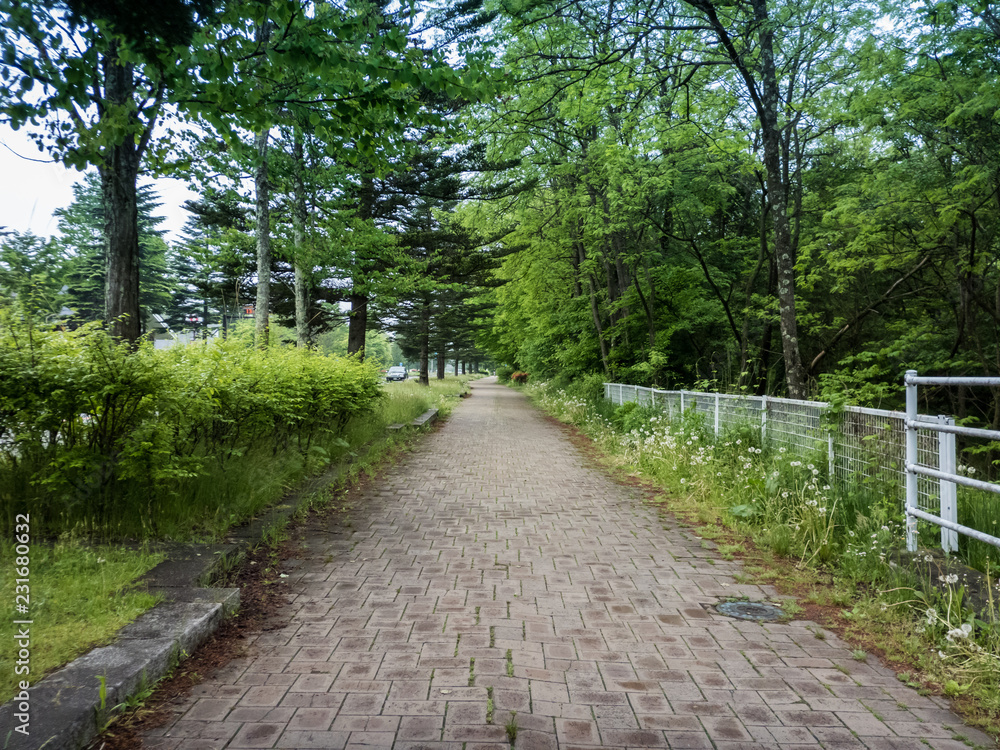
32	274
84	240
94	88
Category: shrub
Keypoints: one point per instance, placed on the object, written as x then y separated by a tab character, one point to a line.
588	387
519	377
93	433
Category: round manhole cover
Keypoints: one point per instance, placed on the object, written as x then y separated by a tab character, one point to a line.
751	610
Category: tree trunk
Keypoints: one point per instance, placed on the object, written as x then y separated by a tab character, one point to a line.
119	174
442	364
748	291
595	312
299	216
766	105
357	326
262	308
766	337
425	342
262	327
777	189
647	307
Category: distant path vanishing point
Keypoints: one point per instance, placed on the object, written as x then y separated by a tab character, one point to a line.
491	572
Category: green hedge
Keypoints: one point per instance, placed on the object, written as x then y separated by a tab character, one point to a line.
92	432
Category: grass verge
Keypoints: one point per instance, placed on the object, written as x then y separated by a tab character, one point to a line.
80	596
207	505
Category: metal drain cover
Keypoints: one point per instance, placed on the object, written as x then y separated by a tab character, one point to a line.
751	610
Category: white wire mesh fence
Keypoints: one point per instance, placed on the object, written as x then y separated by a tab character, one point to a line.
863	447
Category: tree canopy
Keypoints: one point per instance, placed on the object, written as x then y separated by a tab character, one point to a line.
797	198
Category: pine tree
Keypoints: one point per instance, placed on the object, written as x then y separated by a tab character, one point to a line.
212	266
32	274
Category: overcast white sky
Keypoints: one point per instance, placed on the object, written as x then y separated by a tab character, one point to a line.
30	191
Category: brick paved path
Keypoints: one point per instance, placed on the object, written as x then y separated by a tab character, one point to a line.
493	572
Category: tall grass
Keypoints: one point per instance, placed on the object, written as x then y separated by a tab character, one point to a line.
979	510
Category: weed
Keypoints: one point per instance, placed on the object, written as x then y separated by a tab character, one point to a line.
790	608
511	728
728	551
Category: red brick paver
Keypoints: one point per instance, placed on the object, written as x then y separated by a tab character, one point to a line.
492	580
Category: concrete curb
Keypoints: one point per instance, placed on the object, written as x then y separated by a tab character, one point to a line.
427	417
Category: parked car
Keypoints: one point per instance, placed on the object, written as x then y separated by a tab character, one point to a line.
396	373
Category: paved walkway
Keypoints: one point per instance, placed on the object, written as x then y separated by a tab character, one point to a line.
493	572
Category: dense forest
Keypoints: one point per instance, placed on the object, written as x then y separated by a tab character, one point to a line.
787	198
794	198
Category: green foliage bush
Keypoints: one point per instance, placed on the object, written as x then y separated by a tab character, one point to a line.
504	372
95	435
590	388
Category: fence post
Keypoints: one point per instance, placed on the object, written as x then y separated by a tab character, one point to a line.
830	457
763	419
948	492
717	415
682	404
911	459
